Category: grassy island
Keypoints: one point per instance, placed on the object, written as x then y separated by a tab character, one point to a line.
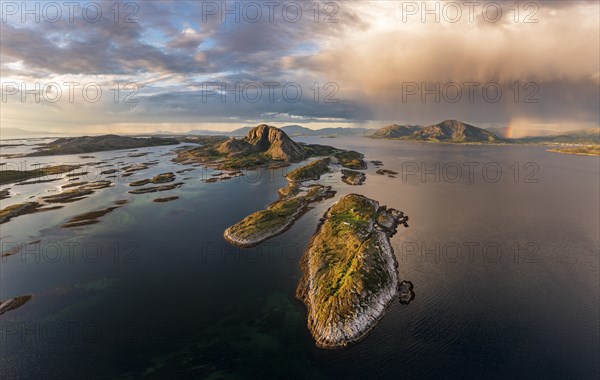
352	177
349	270
586	150
278	217
309	172
264	146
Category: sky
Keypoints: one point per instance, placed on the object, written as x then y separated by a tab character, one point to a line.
145	66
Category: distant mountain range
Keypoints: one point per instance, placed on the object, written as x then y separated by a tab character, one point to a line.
298	130
394	131
454	131
9	132
239	132
451	131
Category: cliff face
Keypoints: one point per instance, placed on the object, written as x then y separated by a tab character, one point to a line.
455	131
271	141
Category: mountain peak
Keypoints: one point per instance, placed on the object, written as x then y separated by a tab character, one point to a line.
266	139
395	130
455	131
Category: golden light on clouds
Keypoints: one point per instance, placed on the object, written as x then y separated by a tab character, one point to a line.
373	53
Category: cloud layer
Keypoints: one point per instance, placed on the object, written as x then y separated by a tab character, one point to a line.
354	63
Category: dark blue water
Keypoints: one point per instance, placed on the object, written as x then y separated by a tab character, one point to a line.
505	268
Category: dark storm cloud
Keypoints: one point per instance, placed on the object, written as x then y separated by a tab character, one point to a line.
175	47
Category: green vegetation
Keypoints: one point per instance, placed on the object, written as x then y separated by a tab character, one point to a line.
310	171
348	270
68	196
337	249
78	193
166	199
587	150
209	155
276	215
389	173
154	189
9	176
291	190
73	184
15	210
245	162
316	150
280	215
352	177
351	159
88	144
159	178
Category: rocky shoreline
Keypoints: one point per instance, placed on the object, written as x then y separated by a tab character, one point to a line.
349	271
276	219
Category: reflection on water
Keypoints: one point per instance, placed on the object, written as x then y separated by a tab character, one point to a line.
152	289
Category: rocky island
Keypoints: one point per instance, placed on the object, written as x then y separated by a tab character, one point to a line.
352	177
263	146
10	176
278	217
89	144
395	131
447	131
585	150
310	171
349	271
13	303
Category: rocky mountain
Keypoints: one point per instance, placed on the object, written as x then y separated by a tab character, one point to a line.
89	144
455	132
296	130
396	131
272	142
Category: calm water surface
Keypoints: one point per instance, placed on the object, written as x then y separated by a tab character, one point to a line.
502	249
